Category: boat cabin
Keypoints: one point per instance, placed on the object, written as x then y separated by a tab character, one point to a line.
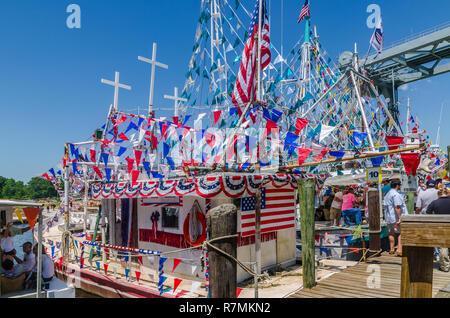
170	214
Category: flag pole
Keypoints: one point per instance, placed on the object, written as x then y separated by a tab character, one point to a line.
258	194
259	95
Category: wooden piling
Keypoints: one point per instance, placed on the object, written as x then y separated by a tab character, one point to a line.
306	193
374	221
222	221
417	272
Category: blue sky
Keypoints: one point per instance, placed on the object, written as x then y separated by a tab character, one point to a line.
50	89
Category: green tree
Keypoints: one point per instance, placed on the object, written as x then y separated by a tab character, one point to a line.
12	189
39	188
2	183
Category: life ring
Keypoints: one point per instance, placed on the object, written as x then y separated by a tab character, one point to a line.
186	235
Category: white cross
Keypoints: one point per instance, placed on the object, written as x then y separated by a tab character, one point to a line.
154	63
116	85
176	99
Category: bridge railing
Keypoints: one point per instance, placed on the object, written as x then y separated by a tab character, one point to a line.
418	35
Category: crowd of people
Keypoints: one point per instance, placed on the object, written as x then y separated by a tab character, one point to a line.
13	267
341	204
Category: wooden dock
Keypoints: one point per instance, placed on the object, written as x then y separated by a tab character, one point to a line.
359	281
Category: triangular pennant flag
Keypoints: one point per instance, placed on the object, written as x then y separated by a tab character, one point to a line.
93	155
19	215
127	271
303	154
176	262
162	279
217	115
122	150
130	163
98	172
31	215
176	283
358	138
140	260
98	265
105	157
195	286
325	132
376	161
300	124
138	275
162	260
105	267
123	137
137	156
411	162
108	174
238	292
337	154
394	142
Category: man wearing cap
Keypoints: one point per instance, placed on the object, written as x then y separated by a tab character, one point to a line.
29	259
426	197
442	206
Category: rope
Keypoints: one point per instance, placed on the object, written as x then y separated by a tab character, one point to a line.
244	267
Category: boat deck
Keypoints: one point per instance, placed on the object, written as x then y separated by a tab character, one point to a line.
357	281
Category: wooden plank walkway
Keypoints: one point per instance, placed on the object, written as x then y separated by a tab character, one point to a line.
354	282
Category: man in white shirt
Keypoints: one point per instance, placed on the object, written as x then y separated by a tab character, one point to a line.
29	259
48	270
395	207
421	188
336	208
426	197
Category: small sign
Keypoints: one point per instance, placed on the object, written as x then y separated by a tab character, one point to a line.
373	174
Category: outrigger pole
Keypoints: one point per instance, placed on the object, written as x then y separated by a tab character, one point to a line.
364	156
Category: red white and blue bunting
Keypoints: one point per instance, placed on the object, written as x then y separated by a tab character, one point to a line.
206	187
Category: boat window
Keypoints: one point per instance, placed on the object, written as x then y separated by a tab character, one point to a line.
170	217
3	218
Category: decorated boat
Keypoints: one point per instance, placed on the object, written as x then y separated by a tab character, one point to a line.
268	124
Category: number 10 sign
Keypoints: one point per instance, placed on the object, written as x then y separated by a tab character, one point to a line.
373	174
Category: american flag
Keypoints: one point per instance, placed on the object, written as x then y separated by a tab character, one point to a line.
277	211
305	11
377	38
245	87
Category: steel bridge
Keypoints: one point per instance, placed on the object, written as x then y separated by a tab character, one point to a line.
415	58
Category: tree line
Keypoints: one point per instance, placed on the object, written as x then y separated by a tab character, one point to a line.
36	189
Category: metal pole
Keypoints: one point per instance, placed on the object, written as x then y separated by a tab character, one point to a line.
103	226
386	109
258	236
39	256
85	201
66	197
259	49
372	146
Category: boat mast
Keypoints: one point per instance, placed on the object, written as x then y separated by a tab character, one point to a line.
438	137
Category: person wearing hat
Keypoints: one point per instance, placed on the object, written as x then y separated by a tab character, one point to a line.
441	206
426	197
7	240
29	259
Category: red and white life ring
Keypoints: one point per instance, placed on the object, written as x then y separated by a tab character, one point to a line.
186	234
